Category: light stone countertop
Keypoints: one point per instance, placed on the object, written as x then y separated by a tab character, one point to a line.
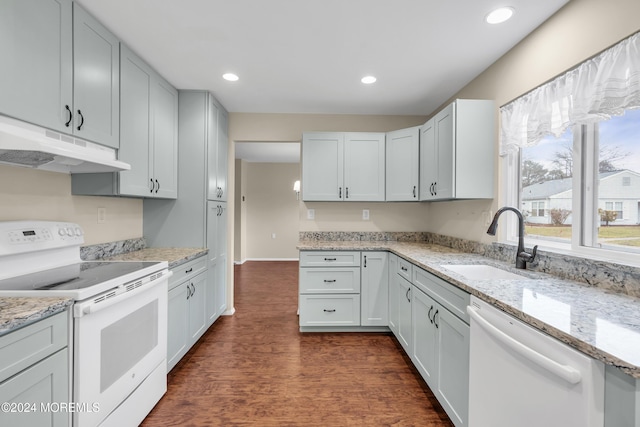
174	256
16	312
601	324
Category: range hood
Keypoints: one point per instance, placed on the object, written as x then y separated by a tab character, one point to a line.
23	144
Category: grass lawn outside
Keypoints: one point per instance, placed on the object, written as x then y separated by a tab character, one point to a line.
625	235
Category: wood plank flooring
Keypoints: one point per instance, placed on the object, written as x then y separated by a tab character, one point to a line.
256	369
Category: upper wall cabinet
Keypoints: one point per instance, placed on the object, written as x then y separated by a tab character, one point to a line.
148	137
457	150
345	166
217	150
403	165
53	79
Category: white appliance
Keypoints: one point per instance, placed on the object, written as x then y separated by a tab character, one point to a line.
27	145
519	376
119	318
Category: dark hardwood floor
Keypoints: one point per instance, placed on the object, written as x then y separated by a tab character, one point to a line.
256	369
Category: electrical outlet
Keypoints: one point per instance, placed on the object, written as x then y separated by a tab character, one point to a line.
273	235
311	214
365	214
102	215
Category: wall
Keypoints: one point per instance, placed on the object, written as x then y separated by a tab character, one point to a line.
580	30
33	194
270	207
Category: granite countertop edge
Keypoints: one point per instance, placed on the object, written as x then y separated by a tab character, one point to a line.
17	312
586	304
173	256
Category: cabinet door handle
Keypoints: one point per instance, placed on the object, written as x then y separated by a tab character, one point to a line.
435	318
153	186
157	186
189	270
431	189
193	289
333	310
429	315
70	116
339	192
365	261
346	192
414	191
188	292
407	294
403	268
435	188
330	281
330	259
81	119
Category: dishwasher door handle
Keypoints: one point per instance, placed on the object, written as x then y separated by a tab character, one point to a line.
568	373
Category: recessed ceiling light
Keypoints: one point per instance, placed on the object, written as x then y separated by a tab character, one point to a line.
368	80
230	77
499	15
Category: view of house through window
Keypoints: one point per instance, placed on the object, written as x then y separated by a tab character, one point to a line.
548	187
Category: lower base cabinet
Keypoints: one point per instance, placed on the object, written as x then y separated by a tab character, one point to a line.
37	378
187	308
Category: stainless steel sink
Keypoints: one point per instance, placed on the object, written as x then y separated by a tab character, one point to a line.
482	272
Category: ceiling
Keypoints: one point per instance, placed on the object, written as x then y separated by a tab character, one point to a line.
308	56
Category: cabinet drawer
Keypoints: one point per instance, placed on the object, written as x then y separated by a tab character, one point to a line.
187	270
405	268
452	298
329	259
337	280
30	344
330	310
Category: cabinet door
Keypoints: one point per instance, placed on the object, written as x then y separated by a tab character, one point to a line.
374	291
452	389
428	161
403	164
403	288
322	166
423	311
212	147
197	306
364	167
36	77
96	81
178	324
223	149
165	139
394	312
221	263
135	124
445	139
45	382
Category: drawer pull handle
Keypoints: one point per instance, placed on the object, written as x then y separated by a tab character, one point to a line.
333	310
403	268
331	259
329	281
189	270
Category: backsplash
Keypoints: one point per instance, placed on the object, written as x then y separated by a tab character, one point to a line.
605	275
103	250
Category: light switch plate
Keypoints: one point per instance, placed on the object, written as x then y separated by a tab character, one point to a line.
311	214
365	214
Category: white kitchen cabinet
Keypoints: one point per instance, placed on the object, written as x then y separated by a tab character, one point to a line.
217	150
343	166
374	290
403	291
217	244
187	312
403	165
35	371
36	47
394	313
456	152
621	398
96	100
52	51
148	137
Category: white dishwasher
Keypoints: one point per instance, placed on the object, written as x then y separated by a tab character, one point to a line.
519	376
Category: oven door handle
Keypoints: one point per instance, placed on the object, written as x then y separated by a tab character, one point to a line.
90	306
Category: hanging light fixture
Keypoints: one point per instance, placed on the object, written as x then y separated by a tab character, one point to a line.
296	188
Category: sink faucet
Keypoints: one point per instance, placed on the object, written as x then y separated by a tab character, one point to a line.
522	256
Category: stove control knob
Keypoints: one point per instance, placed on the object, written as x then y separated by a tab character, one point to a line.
78	231
62	231
69	231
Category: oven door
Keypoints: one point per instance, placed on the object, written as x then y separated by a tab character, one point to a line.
118	343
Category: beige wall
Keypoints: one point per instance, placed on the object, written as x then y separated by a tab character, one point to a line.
32	194
269	207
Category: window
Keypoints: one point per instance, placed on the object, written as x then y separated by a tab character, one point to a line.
571	151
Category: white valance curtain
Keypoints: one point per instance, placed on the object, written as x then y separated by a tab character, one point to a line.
597	89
